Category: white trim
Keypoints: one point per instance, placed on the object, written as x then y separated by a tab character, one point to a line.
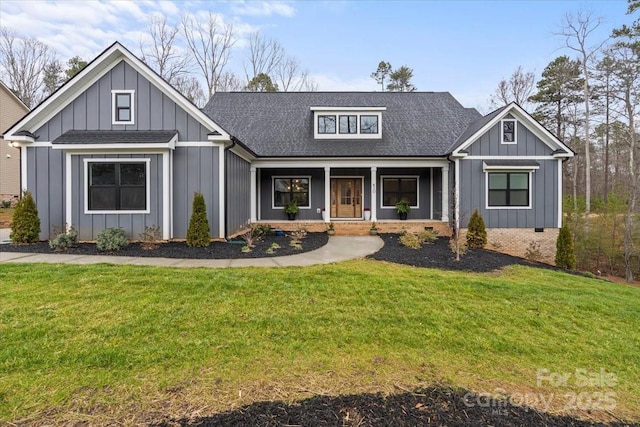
195	144
486	190
259	190
171	193
515	132
96	69
530	123
511	158
253	195
327	194
321	163
23	166
361	178
242	153
416	177
431	193
374	203
19	138
347	136
445	192
505	168
68	185
273	192
166	196
222	176
147	162
560	193
114	118
347	109
40	144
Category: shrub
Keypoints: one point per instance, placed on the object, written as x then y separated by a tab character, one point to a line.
427	236
565	254
25	226
198	234
150	237
5	204
64	239
458	246
111	240
298	236
476	233
410	240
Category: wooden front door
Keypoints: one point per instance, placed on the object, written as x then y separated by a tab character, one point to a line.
346	197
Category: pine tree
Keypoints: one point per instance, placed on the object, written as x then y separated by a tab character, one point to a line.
25	226
198	233
476	232
565	254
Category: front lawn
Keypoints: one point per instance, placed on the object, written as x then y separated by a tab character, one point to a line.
103	343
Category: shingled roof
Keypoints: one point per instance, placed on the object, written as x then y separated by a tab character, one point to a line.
280	124
113	137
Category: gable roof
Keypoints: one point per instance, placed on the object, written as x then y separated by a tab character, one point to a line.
482	125
97	68
280	124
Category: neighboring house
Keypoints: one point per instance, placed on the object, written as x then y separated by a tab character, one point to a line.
119	147
11	109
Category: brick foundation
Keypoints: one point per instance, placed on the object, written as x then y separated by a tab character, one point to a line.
361	228
516	241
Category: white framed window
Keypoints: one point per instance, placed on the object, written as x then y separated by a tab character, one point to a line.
396	188
287	188
347	122
116	186
509	131
508	189
122	107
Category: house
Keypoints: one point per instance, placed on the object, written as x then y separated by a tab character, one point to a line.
117	146
11	109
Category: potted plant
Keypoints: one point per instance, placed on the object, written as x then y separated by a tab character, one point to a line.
373	230
367	214
403	208
291	209
324	214
330	230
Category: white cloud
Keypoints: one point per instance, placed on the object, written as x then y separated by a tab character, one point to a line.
263	8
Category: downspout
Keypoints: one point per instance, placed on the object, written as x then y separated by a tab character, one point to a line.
226	193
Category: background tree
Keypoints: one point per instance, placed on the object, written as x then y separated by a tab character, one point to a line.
291	77
159	50
263	56
384	69
52	77
576	31
23	61
400	80
261	83
209	42
517	89
190	87
74	66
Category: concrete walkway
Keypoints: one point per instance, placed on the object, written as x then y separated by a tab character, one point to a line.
339	248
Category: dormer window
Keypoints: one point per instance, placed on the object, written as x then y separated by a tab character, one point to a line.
347	122
509	131
122	102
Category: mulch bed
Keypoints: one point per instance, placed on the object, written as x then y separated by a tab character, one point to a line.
433	406
439	255
216	250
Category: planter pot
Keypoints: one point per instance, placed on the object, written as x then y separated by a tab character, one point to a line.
291	216
373	231
367	215
324	215
331	232
403	216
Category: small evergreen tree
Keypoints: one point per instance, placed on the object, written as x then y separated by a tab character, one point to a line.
565	254
198	233
476	233
25	226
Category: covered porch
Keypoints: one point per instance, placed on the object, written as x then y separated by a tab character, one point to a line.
349	191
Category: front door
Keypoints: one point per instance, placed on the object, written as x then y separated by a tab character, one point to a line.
346	197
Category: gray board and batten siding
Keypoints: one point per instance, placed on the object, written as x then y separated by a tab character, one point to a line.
195	168
237	192
544	182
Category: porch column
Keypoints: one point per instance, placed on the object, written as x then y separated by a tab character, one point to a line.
327	194
374	203
445	193
253	195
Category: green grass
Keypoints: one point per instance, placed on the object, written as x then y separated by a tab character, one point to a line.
79	339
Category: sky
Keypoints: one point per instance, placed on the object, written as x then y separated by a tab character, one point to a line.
463	47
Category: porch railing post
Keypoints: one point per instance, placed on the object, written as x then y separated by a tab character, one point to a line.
327	194
254	196
374	210
445	193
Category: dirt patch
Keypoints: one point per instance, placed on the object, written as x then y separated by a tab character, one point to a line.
433	406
